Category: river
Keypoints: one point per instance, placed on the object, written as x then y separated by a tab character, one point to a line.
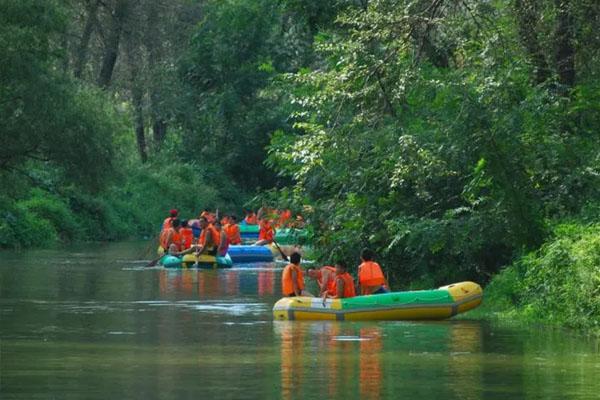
92	322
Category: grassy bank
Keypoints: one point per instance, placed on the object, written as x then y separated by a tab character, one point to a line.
559	284
133	206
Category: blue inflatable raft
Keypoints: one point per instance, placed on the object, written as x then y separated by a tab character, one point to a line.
247	254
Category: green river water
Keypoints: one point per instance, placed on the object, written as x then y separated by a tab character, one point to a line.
93	323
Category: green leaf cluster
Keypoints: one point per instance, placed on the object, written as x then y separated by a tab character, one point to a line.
420	134
559	283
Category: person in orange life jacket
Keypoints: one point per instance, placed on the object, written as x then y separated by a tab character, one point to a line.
233	231
210	217
292	278
266	233
209	238
167	222
223	240
164	230
250	218
187	233
173	236
370	276
325	277
344	284
283	218
224	220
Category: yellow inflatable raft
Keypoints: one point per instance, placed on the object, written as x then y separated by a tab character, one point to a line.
436	304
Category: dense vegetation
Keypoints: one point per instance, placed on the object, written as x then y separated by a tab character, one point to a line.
449	136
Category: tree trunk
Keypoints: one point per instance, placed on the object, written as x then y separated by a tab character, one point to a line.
82	49
527	20
132	53
140	135
159	130
565	50
112	43
155	56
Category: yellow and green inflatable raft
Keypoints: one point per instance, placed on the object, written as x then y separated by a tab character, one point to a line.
436	304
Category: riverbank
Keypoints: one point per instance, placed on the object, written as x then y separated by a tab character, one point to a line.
557	285
132	206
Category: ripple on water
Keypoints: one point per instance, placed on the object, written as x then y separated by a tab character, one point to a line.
236	309
231	323
351	338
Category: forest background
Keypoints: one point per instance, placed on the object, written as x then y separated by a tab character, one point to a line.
458	139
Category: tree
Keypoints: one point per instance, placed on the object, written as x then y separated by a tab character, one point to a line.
44	116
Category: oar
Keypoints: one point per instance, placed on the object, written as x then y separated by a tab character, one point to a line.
280	251
153	262
151	243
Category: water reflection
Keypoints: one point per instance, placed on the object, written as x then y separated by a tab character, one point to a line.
346	359
465	364
214	284
266	282
370	363
332	358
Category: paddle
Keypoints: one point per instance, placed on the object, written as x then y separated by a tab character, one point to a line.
280	251
154	262
152	243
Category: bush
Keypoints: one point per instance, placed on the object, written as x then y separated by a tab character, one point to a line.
21	228
52	208
559	283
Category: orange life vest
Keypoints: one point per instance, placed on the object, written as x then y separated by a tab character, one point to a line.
331	279
287	285
210	217
284	217
348	285
188	237
251	219
233	233
369	274
176	238
216	236
162	238
266	231
167	223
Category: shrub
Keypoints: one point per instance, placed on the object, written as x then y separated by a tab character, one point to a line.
559	283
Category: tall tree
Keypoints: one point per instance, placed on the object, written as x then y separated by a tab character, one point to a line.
565	43
111	49
153	43
528	18
83	46
45	117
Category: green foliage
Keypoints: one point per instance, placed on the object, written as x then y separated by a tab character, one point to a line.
559	283
20	228
153	189
416	136
134	207
44	115
51	208
235	52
